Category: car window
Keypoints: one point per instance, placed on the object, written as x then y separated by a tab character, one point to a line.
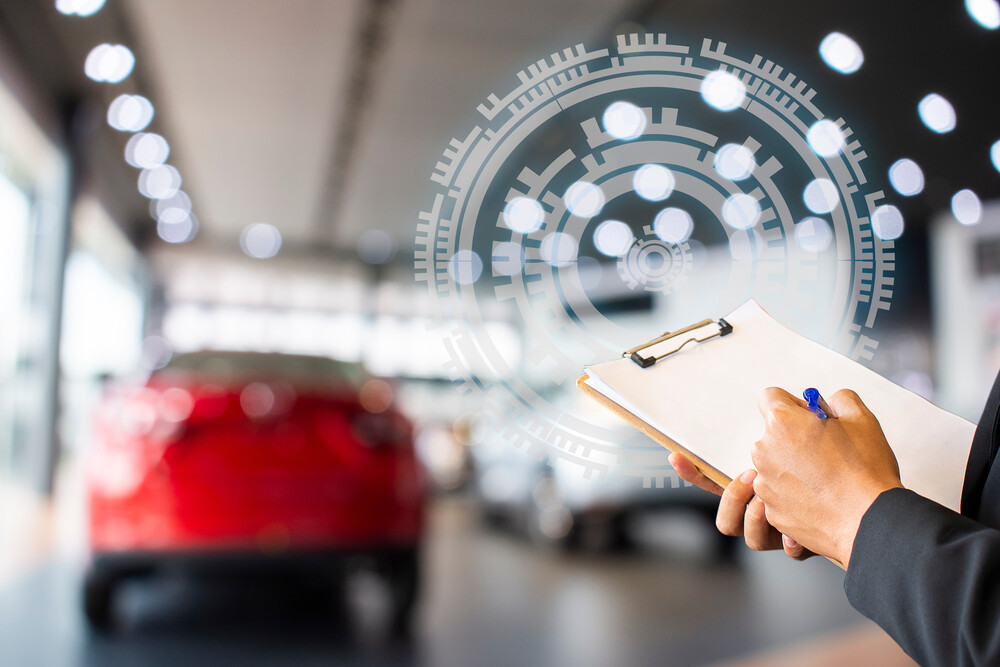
240	366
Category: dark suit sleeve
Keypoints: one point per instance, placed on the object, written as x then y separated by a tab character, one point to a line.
930	577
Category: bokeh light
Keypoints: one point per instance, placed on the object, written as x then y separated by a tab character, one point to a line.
995	155
825	138
887	222
813	234
109	62
734	162
465	267
508	258
653	182
523	215
741	211
260	240
159	182
906	177
180	230
821	195
937	113
723	90
130	113
613	238
79	7
841	53
966	207
673	225
146	150
984	12
376	246
177	205
584	200
624	120
558	249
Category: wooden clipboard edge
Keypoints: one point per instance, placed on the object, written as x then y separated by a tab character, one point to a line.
712	473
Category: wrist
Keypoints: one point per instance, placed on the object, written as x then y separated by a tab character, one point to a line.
852	524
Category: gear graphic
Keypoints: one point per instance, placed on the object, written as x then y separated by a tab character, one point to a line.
654	264
506	203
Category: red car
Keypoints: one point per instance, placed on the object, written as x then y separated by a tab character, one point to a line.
224	460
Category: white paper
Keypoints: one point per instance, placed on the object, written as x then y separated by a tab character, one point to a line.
705	398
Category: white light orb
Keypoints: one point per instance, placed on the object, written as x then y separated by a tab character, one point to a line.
146	150
841	53
159	182
109	62
376	247
180	230
906	177
995	155
624	120
825	138
130	113
984	12
887	222
741	211
558	249
584	200
523	215
508	258
735	162
821	196
79	7
966	207
653	182
613	238
178	204
673	225
937	113
813	234
723	91
260	240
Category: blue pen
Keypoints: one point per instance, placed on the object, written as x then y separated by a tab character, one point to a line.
816	404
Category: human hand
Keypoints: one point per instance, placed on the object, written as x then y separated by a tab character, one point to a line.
740	514
816	478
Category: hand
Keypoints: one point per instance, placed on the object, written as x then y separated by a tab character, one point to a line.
740	513
818	477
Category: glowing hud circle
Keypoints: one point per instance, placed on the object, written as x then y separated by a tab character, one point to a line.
506	231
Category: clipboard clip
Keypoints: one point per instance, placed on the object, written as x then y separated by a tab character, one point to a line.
720	328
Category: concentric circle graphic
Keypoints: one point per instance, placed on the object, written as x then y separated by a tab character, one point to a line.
521	197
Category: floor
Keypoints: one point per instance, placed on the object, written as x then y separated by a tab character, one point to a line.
491	599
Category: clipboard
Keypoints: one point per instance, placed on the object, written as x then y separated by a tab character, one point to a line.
694	391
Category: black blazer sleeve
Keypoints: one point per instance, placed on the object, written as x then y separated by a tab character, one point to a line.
930	577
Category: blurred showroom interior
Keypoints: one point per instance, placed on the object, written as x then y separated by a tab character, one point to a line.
230	430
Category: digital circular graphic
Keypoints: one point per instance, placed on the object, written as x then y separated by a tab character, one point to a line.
618	193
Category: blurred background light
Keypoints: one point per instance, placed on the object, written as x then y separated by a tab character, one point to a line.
260	240
178	204
109	62
906	177
624	120
966	207
523	215
159	182
79	7
584	200
735	162
465	267
613	238
673	225
821	196
984	12
376	246
887	222
177	228
723	90
508	258
825	138
653	182
937	113
841	53
995	155
130	113
146	150
813	234
558	249
741	211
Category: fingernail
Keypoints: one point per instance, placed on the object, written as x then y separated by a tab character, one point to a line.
789	542
747	477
